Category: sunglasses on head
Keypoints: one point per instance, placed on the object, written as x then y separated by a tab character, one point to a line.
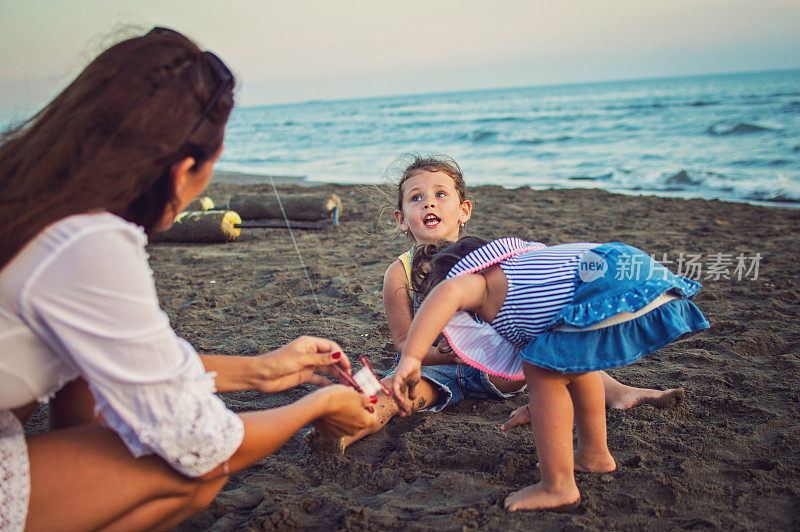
221	71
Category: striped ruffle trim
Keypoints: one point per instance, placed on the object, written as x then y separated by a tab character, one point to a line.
492	253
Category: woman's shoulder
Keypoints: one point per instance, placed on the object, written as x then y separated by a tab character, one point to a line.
95	235
77	226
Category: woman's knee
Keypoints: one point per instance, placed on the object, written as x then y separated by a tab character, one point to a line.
201	493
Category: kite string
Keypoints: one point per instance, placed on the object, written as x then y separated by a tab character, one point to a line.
296	248
283	212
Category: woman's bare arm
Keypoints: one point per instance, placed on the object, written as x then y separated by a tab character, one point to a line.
295	363
335	411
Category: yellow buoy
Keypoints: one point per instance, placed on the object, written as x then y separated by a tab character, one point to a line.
203	203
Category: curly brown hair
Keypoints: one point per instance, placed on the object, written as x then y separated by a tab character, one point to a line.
432	262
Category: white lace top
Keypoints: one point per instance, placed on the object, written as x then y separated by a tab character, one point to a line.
79	300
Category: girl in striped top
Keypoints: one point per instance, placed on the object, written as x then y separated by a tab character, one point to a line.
432	207
554	316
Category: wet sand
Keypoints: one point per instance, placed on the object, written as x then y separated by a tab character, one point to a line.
725	458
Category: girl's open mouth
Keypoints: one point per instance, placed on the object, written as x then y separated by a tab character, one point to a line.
431	220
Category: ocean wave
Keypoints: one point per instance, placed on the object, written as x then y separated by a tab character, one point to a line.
480	135
601	177
260	160
768	195
635	106
394	105
537	140
791	107
740	128
492	119
755	163
681	178
701	103
781	188
404	113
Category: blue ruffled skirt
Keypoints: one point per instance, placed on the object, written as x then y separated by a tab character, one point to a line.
612	279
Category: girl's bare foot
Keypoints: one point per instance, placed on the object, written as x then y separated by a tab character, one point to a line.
536	497
385	407
627	397
520	416
325	444
601	462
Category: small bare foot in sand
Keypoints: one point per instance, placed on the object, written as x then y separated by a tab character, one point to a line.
627	397
325	444
536	497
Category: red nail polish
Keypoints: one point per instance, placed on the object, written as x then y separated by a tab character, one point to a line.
373	399
370	410
337	355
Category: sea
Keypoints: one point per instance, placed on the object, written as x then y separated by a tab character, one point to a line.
726	136
733	137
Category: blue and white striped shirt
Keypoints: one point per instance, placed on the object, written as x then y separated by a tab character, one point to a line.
541	281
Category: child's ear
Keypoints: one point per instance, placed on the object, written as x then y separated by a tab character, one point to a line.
466	211
401	220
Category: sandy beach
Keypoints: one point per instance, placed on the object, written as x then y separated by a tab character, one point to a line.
726	458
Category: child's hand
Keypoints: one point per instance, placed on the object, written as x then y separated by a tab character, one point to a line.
404	381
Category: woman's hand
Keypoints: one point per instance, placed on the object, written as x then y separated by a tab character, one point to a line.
298	363
404	381
346	411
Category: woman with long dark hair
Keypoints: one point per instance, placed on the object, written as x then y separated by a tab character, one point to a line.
137	439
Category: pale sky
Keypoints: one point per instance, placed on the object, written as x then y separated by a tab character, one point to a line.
297	50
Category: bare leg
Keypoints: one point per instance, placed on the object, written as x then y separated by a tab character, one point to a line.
622	397
385	409
552	408
591	456
505	385
618	396
85	478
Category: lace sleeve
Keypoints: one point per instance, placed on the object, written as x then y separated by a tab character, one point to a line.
94	303
15	481
182	421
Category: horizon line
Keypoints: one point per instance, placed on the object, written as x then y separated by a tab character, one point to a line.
511	87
